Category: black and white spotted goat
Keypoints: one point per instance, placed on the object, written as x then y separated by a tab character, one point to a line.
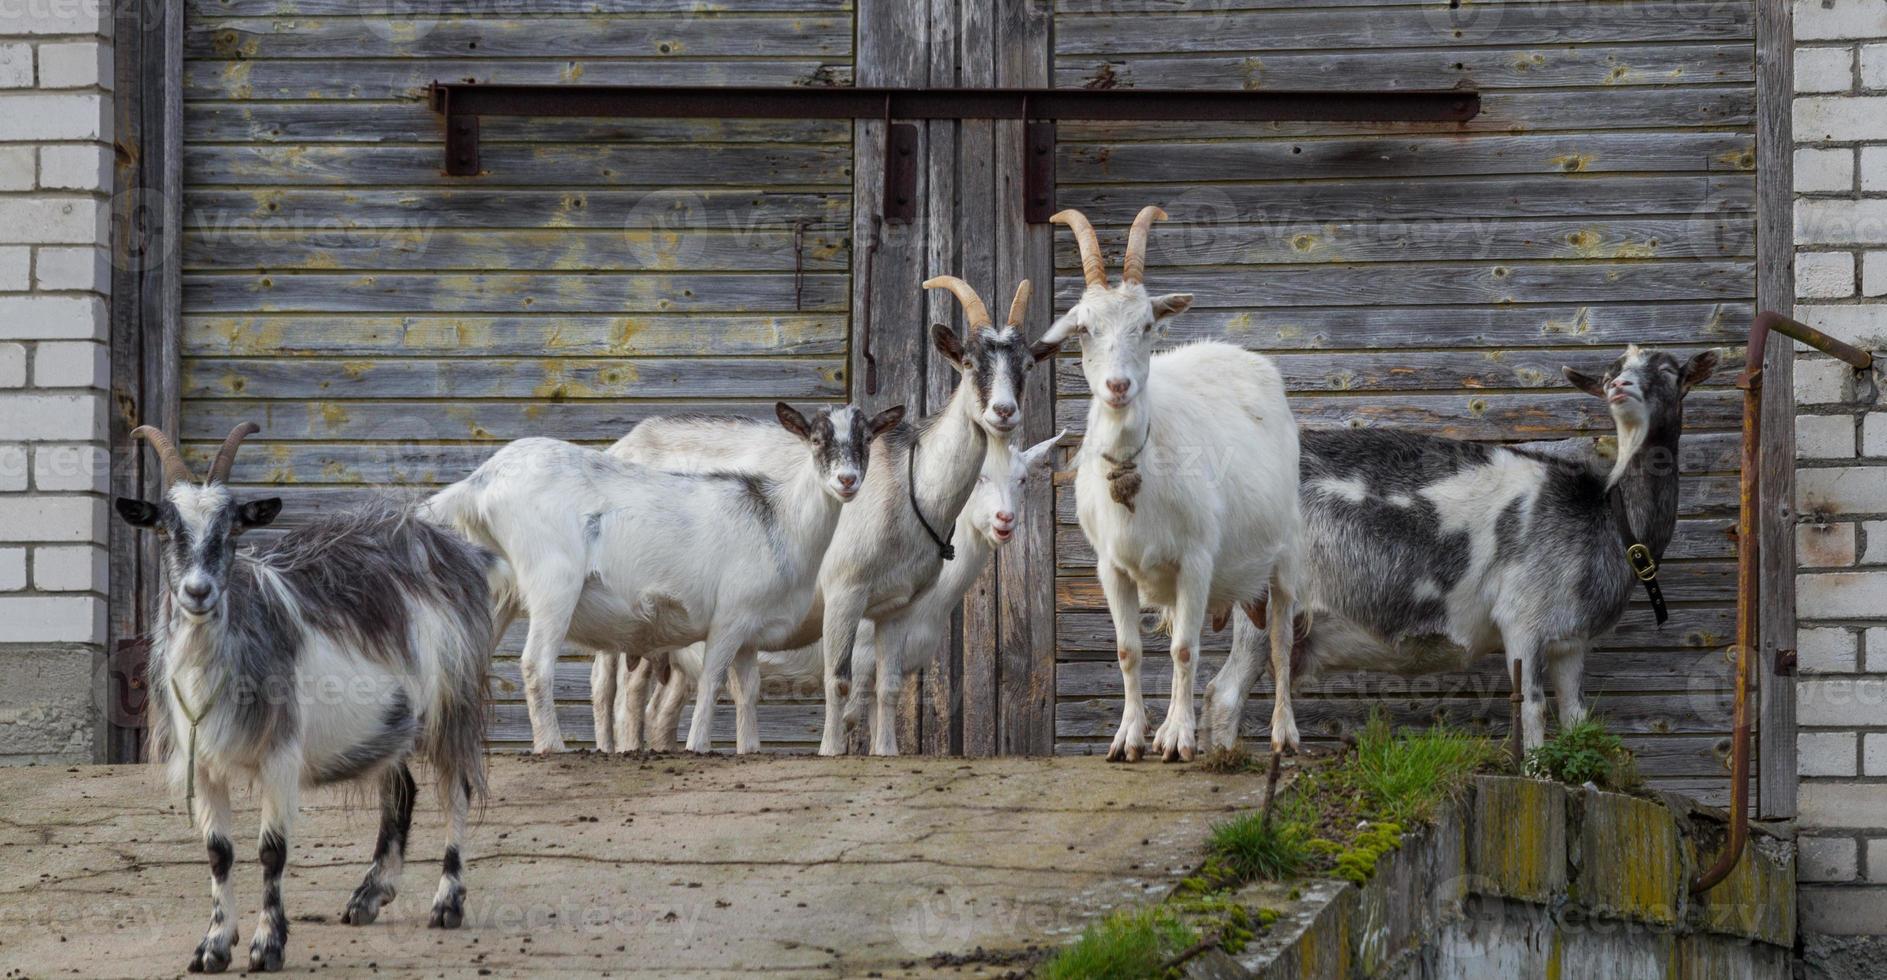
336	653
1424	553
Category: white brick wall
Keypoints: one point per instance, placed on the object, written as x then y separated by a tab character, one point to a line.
55	283
1840	160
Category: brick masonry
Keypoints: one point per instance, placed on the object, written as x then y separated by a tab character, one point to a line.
55	283
1840	175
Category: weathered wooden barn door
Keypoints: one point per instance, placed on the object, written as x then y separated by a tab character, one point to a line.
992	692
1438	278
389	325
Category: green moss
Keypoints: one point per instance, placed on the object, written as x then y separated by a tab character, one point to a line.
1218	916
1357	863
1268	917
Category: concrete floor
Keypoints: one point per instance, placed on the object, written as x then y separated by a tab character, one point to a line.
616	866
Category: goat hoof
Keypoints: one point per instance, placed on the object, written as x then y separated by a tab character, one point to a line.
1186	752
266	958
364	907
209	959
446	917
1134	752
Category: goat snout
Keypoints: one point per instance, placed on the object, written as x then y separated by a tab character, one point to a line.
847	483
1005	411
197	593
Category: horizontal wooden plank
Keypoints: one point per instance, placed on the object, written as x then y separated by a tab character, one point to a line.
512	293
1479	68
396	420
419	15
415	122
1637	714
1405	157
1089	636
1419	283
1509	111
1401	371
1599	325
283	208
1695	538
1675	763
675	35
1702	198
561	250
1546	415
1411	241
1405	27
1607	673
781	725
493	377
527	165
409	78
1697	496
498	336
1682	582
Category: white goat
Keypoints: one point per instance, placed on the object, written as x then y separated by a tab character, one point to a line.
605	552
889	546
1187	483
881	658
336	653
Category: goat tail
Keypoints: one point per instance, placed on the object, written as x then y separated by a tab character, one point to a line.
461	715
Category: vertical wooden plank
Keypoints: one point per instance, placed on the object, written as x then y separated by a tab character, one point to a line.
892	50
125	548
1775	290
977	231
942	693
1025	568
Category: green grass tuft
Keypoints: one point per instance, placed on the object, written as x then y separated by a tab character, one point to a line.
1586	753
1128	945
1246	847
1405	777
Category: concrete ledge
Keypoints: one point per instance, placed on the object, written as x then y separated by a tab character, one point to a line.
1529	878
49	711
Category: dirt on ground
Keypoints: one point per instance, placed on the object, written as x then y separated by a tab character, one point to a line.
594	865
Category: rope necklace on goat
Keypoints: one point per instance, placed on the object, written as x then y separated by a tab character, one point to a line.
1123	481
944	548
190	774
1643	564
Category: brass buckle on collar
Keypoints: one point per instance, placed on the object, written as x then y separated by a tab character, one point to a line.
1642	564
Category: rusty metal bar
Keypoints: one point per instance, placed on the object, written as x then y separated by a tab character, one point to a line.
1749	517
461	103
1516	732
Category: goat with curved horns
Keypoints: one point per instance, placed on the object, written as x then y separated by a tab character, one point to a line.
250	648
890	544
1186	484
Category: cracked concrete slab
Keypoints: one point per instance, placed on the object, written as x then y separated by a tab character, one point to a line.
597	865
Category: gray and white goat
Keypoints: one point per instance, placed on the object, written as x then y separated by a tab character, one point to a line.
1187	483
604	552
1424	553
881	658
888	548
337	653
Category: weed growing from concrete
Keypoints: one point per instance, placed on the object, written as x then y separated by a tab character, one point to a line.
1586	753
1129	945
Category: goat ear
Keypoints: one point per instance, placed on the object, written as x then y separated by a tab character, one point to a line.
1055	336
882	422
947	344
1044	451
259	513
1172	304
792	421
1585	382
1699	370
136	512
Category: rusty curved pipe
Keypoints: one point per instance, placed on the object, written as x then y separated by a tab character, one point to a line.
1748	528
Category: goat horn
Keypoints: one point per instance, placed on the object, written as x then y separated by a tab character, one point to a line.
1092	268
226	456
974	312
1019	307
175	471
1134	267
